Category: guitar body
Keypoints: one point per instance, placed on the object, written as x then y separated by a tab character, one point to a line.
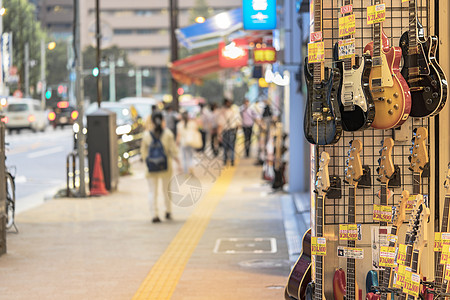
371	281
339	285
372	296
429	86
355	100
322	103
301	272
389	89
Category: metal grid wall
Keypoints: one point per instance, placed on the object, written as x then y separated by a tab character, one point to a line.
395	24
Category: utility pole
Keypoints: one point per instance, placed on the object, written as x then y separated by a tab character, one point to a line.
79	84
174	48
112	79
44	83
27	69
98	36
138	82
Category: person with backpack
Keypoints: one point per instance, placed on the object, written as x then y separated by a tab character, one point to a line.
158	149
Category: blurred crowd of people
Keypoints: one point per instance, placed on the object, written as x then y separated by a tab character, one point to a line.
208	131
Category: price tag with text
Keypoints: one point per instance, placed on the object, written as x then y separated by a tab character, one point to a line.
445	254
382	213
405	1
348	232
316	52
346	9
401	255
399	280
316	36
318	246
346	48
347	25
410	202
387	256
349	252
437	242
445	238
376	14
412	284
447	272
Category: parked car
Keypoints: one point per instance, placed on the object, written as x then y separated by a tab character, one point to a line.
25	113
143	105
63	114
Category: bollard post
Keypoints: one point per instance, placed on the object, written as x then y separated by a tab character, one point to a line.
68	159
2	190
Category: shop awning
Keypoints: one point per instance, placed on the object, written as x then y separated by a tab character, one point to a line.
193	68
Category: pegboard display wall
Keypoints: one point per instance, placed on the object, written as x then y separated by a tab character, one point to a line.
336	202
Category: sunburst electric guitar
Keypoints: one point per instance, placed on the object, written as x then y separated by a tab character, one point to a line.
390	92
348	289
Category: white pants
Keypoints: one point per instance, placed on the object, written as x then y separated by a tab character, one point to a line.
154	183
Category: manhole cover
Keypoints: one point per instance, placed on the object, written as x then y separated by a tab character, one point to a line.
246	245
264	263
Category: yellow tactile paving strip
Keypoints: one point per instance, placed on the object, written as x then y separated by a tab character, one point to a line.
163	278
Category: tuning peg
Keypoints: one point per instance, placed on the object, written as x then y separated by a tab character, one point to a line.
351	142
382	142
378	169
379	160
415	130
409	158
380	151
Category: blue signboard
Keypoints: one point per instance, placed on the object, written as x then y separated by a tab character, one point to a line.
260	14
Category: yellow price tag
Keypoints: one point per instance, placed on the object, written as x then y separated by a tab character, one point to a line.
405	1
318	246
412	284
447	272
316	52
399	282
376	13
382	213
401	255
437	242
346	48
445	238
410	202
445	254
347	25
387	256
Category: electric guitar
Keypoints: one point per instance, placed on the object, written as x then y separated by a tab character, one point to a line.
419	157
355	100
314	290
425	77
322	123
390	92
441	284
353	173
301	272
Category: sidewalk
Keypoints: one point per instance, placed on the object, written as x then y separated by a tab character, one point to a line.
229	245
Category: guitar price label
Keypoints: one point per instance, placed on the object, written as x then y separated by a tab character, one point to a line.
412	284
437	242
347	9
348	252
392	238
401	254
346	48
349	232
382	213
387	256
347	25
316	52
318	246
315	36
410	202
399	276
405	1
447	272
376	14
445	254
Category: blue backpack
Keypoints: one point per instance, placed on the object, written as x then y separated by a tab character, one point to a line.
156	159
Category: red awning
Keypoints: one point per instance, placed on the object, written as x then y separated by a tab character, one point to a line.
193	68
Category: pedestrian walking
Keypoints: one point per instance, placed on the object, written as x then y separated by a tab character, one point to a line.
189	139
248	116
204	122
171	118
214	129
229	122
158	145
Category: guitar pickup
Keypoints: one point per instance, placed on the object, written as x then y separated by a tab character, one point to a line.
349	107
380	99
316	107
381	90
376	82
416	88
376	61
348	84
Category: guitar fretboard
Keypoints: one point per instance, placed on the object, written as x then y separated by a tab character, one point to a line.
351	290
416	183
348	62
318	67
441	284
414	267
409	240
319	259
412	33
377	28
383	198
387	270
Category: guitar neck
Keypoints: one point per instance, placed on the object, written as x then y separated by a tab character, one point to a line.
412	33
417	183
351	280
350	61
377	29
387	270
318	291
383	198
439	273
409	251
319	69
414	266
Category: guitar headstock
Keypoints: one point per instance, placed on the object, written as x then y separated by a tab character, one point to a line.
399	215
386	168
447	182
323	178
415	214
421	233
354	170
419	153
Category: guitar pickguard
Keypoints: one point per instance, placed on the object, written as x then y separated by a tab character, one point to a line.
352	92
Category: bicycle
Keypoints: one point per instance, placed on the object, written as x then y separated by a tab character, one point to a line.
10	199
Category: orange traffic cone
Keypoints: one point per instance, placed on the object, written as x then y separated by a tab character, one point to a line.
98	182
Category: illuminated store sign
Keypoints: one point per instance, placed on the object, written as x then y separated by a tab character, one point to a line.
264	55
235	54
259	14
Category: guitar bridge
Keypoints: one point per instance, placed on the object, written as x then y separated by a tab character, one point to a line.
381	90
317	117
380	99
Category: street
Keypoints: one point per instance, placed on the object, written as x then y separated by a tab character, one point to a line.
40	163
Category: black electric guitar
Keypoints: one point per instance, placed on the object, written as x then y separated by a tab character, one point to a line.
421	70
322	123
314	290
353	173
419	157
355	100
441	284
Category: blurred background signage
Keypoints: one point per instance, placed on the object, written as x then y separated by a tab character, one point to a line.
235	54
264	55
259	14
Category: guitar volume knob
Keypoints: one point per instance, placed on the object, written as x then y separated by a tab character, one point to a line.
396	106
396	95
391	112
389	101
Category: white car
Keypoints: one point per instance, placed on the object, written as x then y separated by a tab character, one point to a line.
143	105
25	113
